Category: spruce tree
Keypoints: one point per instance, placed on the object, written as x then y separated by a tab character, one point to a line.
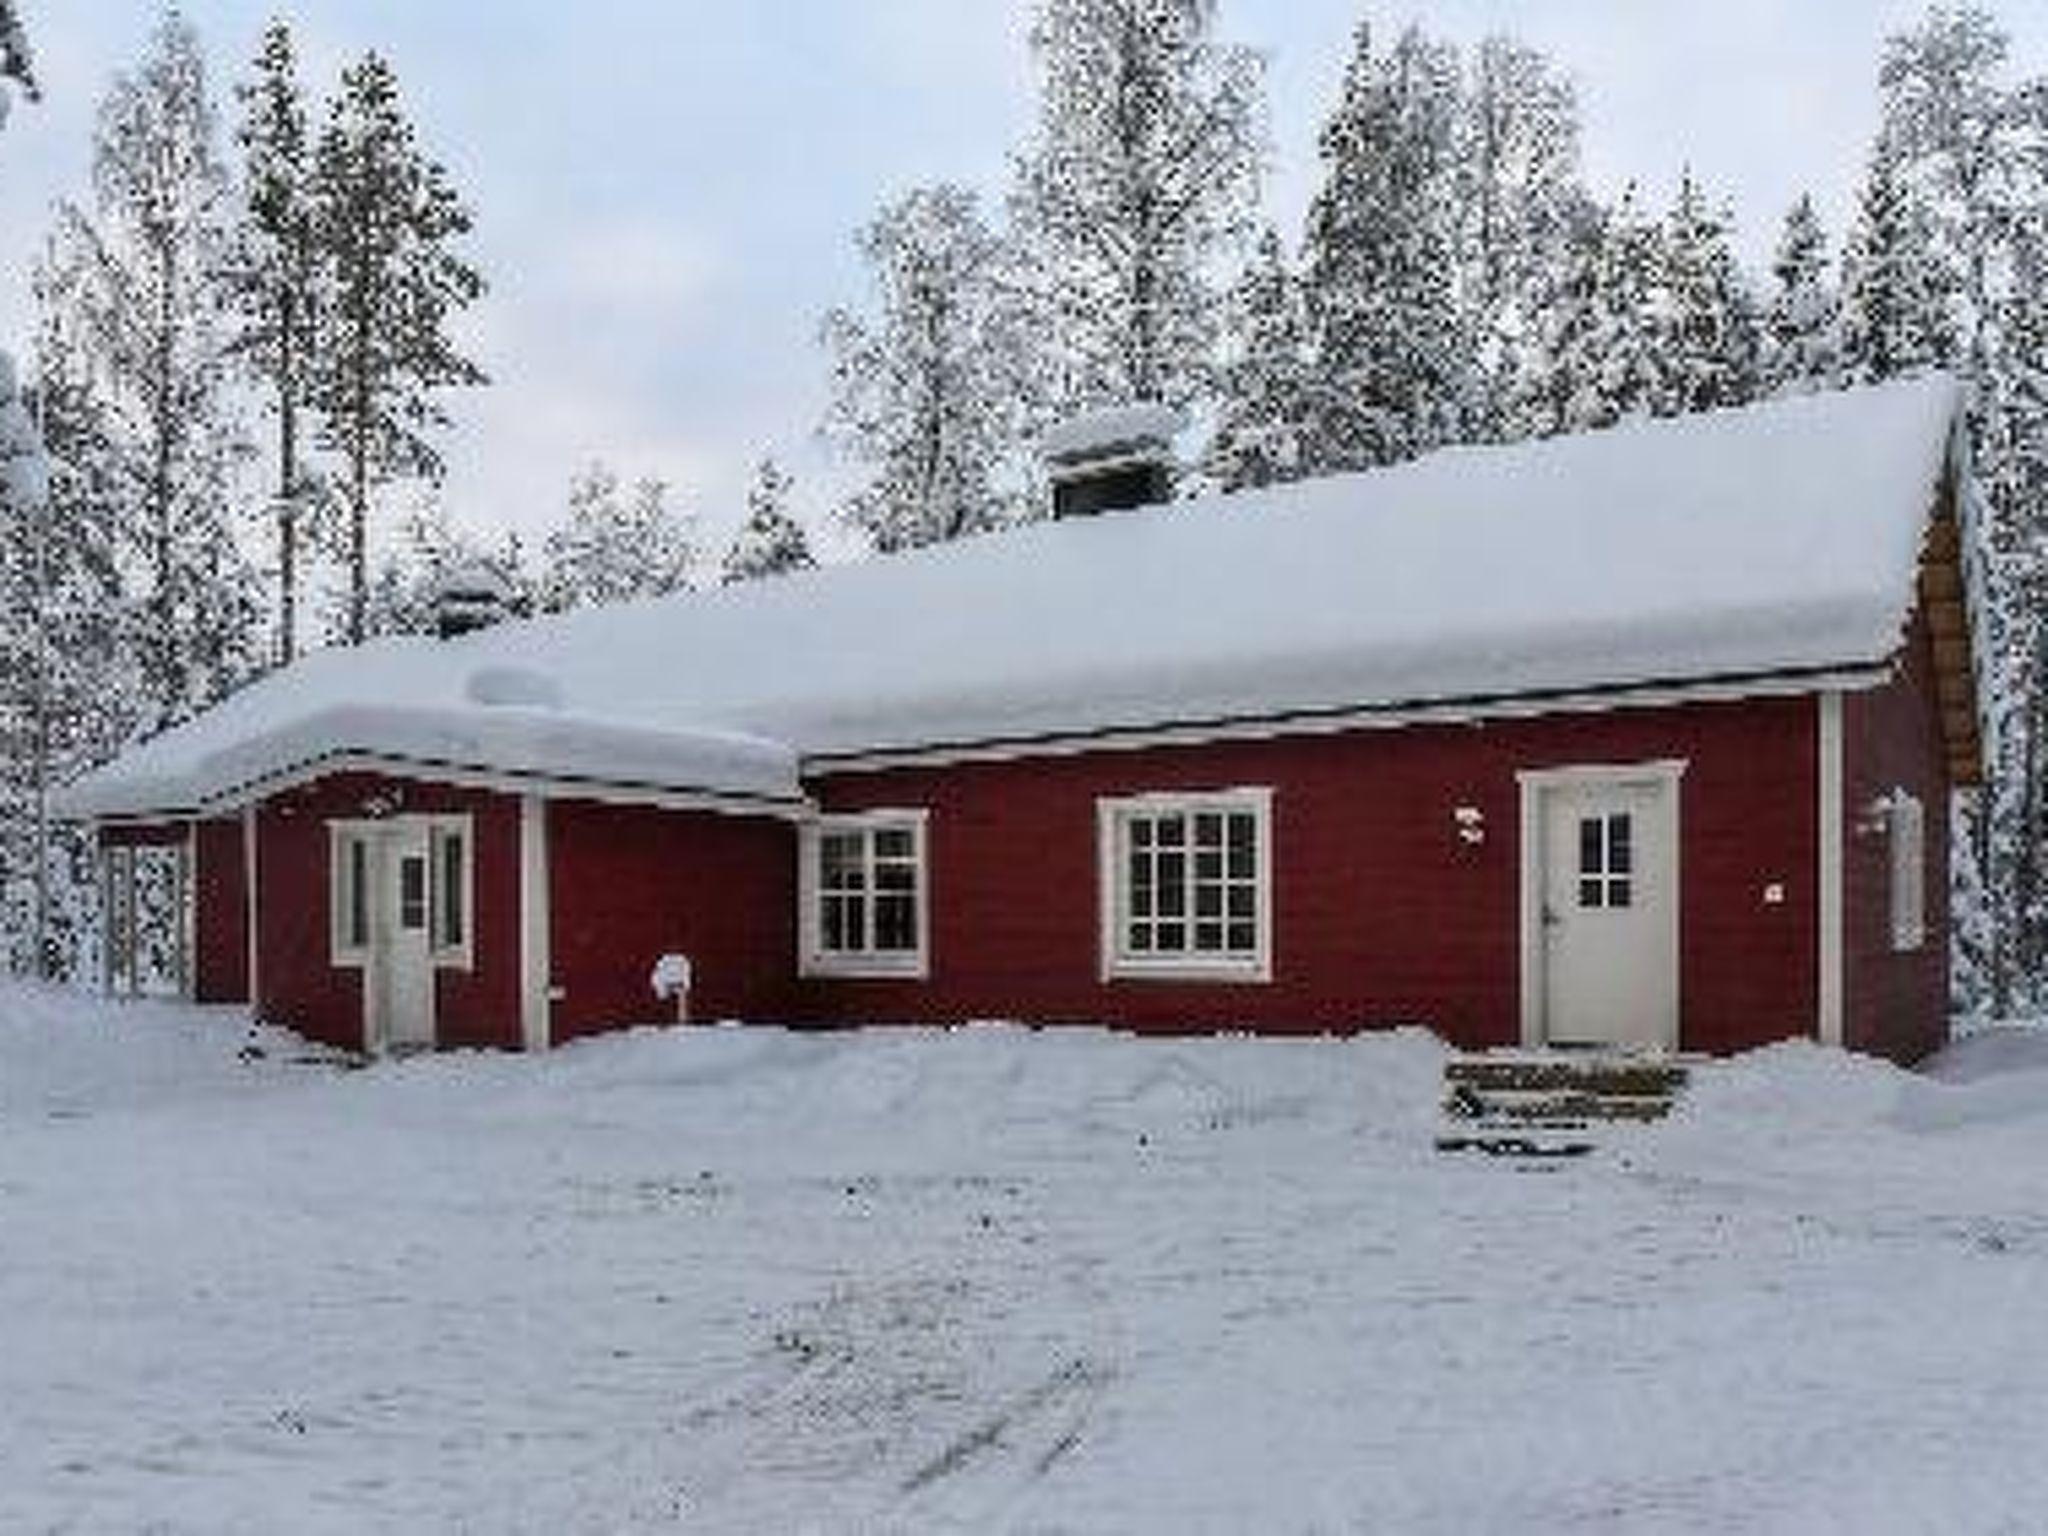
618	544
1393	366
388	223
926	391
770	542
1265	394
1802	343
1711	343
1140	182
1897	287
276	276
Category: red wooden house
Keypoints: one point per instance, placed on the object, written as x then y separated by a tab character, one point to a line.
1645	737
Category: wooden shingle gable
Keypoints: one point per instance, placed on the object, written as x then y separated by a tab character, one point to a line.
1944	600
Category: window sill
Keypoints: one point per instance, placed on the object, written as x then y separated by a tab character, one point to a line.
1242	973
866	967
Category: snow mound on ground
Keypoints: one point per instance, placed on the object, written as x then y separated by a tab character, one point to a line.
1996	1077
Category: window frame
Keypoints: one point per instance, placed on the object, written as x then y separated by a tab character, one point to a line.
814	959
1906	865
345	951
1114	816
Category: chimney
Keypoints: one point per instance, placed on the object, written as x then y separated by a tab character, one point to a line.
1112	460
472	595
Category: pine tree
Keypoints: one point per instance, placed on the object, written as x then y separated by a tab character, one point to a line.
1711	345
153	310
1263	411
388	221
1141	180
427	547
276	278
1392	361
1803	322
1520	198
1560	368
617	544
927	391
771	542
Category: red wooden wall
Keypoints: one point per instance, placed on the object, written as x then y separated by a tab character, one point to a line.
1381	914
632	883
1894	1004
221	915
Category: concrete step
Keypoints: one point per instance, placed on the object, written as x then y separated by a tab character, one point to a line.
1547	1106
1617	1076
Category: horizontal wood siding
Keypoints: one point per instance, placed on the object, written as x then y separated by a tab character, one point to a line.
1383	914
1895	1004
302	990
220	919
630	884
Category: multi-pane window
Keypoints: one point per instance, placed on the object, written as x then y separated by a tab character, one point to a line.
864	903
1187	884
1606	861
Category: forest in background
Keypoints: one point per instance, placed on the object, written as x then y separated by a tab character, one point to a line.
222	447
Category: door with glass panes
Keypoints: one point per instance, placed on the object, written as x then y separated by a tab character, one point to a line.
1608	917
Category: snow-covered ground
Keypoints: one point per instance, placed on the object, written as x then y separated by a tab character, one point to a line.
998	1281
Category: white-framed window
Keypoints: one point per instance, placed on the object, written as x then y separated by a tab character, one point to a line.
865	895
1187	885
359	853
1906	828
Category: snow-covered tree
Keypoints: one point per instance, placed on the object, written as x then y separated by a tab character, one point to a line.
1393	365
425	547
276	277
927	390
389	223
1266	378
1802	325
16	62
770	542
1711	346
619	543
148	258
1139	185
1520	198
1897	286
1599	356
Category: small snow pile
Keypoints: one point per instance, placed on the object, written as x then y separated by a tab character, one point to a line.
1994	1077
508	687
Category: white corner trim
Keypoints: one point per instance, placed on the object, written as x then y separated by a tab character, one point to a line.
1829	1024
251	908
536	959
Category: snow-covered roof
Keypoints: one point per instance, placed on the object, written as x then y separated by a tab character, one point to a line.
1779	540
1111	430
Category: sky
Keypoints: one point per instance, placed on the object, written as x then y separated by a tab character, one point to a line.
667	191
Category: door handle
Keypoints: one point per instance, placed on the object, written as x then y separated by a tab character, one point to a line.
1551	919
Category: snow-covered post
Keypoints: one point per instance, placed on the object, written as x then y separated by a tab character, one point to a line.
671	979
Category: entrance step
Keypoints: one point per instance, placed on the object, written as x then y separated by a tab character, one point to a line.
1551	1104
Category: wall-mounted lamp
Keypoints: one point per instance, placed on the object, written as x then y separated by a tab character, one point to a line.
1471	824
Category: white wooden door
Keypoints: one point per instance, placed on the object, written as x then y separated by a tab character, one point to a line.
403	959
1609	912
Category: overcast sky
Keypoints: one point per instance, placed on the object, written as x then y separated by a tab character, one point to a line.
666	189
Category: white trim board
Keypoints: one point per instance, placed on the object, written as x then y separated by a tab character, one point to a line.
536	954
1337	722
1829	1003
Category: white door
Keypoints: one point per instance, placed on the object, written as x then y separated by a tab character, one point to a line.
402	961
1608	915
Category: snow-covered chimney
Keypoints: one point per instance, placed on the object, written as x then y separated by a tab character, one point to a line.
472	596
1107	461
